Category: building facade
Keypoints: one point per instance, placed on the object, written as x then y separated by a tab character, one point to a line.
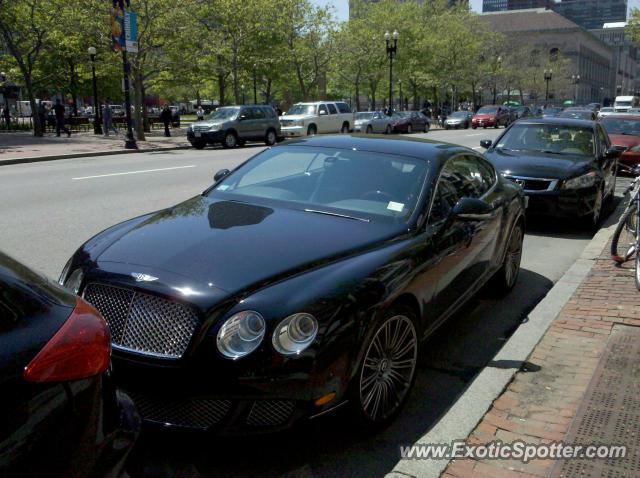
549	33
626	70
504	5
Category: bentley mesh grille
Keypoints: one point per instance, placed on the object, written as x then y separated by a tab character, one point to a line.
142	322
200	413
266	413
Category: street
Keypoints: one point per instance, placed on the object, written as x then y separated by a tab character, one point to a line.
48	209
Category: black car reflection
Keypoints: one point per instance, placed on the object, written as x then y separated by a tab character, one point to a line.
302	280
60	413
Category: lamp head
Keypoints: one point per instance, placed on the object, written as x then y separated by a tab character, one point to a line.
396	35
91	50
387	36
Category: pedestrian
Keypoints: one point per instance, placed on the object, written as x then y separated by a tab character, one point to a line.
42	116
200	113
59	111
165	117
107	120
7	117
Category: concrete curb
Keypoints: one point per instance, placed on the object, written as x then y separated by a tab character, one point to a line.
38	159
469	409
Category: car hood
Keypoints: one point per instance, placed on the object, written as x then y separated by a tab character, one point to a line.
235	245
485	116
538	165
207	123
626	140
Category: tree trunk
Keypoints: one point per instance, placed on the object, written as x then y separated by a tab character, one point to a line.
73	88
267	93
145	114
358	95
221	87
138	88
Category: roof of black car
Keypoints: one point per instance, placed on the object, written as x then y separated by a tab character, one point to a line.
415	147
558	121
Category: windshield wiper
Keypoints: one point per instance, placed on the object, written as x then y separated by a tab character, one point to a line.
327	213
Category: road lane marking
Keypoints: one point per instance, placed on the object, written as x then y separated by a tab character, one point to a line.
476	134
134	172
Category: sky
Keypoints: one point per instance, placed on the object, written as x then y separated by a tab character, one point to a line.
342	6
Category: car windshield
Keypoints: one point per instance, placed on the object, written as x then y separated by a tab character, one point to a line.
623	103
365	115
606	110
459	114
358	184
552	110
302	110
622	126
487	110
403	114
224	113
549	138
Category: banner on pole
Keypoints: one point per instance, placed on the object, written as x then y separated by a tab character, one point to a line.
117	28
131	31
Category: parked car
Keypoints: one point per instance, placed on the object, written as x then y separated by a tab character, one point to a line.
304	119
624	131
235	125
567	167
594	107
606	111
61	415
522	111
410	121
372	122
552	111
491	116
255	304
117	111
578	113
459	119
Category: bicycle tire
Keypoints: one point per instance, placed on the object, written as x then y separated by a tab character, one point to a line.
624	240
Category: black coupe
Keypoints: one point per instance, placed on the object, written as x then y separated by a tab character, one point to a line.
301	281
60	414
567	167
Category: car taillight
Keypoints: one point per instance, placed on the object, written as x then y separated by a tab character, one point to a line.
80	349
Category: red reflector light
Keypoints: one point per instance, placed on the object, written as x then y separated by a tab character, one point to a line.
80	349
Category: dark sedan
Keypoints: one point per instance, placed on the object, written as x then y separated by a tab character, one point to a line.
578	113
410	121
60	414
567	167
300	282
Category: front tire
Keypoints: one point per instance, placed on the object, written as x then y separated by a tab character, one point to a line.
270	138
409	129
369	129
388	129
386	373
312	130
507	276
230	140
345	128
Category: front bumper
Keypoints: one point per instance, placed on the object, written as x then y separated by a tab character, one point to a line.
484	122
570	203
457	124
208	136
293	131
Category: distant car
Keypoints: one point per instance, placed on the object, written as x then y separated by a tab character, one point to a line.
117	111
235	125
491	116
372	122
566	167
578	113
594	106
459	119
606	111
551	111
61	415
624	131
308	119
522	111
410	122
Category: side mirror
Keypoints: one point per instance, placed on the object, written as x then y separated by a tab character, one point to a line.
220	175
486	143
322	112
471	209
242	117
614	151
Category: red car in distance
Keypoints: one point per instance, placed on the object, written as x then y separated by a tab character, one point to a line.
624	130
491	116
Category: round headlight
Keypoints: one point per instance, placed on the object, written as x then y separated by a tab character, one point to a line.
74	281
295	333
241	334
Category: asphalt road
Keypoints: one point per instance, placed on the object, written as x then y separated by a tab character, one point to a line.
48	209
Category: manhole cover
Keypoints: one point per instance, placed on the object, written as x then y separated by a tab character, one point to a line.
610	411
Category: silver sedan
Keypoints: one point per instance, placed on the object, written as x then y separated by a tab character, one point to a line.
372	122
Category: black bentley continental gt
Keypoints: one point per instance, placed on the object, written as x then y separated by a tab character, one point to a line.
301	281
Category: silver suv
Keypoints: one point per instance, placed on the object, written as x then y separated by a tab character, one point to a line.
234	125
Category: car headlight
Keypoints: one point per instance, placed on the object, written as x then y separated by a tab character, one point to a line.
584	181
74	281
241	334
295	333
215	127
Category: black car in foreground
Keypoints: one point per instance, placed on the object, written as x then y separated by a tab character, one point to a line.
567	167
301	281
60	414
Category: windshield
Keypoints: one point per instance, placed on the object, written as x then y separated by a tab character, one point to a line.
623	103
364	185
224	113
585	115
402	114
459	114
487	110
302	110
622	126
549	138
552	110
364	116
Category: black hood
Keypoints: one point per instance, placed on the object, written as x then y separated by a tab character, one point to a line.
233	245
538	165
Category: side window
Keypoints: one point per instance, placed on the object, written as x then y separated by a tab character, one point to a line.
332	109
343	108
258	113
322	108
446	197
487	172
604	139
464	172
246	113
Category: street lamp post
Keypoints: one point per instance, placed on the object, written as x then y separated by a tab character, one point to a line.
97	126
548	74
242	88
255	87
575	79
495	79
392	49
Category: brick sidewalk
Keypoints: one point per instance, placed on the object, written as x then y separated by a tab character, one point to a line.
539	406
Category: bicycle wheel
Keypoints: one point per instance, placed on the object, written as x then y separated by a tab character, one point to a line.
623	244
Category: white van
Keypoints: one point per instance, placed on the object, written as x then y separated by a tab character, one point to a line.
624	103
304	119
